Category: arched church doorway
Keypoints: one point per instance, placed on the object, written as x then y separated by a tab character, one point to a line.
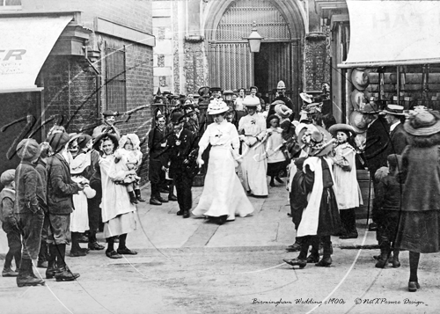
231	65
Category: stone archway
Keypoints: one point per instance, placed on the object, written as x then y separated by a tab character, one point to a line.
231	65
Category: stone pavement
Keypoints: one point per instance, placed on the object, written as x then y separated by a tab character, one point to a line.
268	226
193	266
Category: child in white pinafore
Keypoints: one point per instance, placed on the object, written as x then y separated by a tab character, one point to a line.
129	153
348	194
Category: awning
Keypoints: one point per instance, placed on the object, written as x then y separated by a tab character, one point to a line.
24	46
393	33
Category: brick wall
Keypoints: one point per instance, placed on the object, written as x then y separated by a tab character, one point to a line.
139	89
131	13
75	101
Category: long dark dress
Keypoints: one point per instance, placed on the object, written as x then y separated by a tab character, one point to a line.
419	225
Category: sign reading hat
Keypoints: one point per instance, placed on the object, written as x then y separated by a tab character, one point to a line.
360	79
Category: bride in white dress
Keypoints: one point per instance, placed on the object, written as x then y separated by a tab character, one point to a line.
223	196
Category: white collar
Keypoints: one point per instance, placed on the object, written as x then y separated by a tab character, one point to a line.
393	126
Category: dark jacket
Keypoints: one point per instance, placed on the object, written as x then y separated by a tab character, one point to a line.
28	189
60	186
398	140
156	137
388	193
7	199
180	150
376	145
421	175
42	171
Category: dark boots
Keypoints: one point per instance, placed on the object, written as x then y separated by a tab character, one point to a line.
154	193
62	273
133	198
25	276
42	256
76	249
137	193
395	260
348	220
314	252
301	260
328	249
295	247
51	267
93	242
272	183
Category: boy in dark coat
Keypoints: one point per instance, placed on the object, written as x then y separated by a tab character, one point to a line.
9	223
28	207
60	189
388	202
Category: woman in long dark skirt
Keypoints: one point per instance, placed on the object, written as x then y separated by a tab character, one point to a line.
419	225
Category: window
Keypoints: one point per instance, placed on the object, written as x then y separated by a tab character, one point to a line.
10	4
115	79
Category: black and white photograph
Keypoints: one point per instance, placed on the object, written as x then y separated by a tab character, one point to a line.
219	156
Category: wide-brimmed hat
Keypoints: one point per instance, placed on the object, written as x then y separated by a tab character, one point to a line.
335	128
204	91
423	123
250	101
28	149
393	109
319	146
58	140
112	136
217	107
314	107
283	111
80	163
357	99
177	117
306	97
360	79
358	122
110	113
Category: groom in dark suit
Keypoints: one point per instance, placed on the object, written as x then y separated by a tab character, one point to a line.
182	149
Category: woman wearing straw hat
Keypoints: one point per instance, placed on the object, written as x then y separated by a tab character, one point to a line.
419	223
252	128
223	196
320	218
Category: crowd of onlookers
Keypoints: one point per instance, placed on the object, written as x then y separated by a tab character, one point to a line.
65	190
70	186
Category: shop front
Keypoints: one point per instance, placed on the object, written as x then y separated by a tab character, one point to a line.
385	50
27	41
